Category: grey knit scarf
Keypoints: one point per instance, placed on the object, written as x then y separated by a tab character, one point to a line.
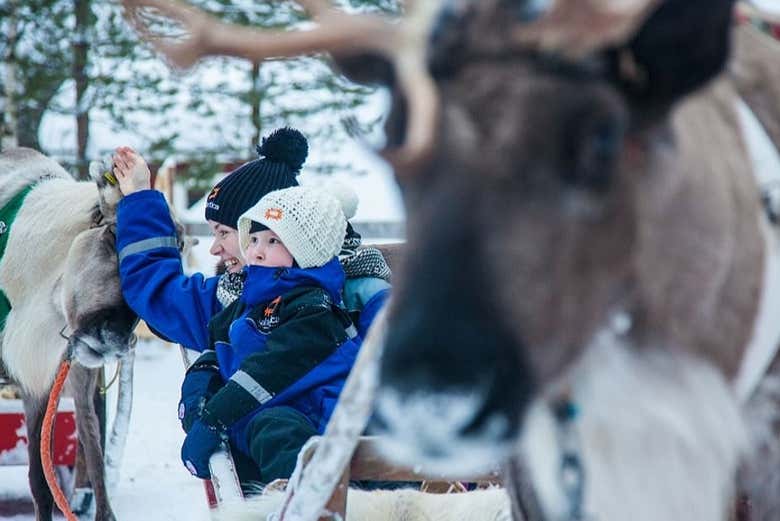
365	262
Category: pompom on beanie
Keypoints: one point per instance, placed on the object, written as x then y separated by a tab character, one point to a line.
282	155
310	221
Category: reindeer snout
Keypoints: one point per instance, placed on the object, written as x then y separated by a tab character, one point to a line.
466	373
452	400
103	336
453	383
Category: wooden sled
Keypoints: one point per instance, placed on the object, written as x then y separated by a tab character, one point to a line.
368	464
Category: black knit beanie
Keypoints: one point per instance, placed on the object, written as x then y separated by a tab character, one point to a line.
281	157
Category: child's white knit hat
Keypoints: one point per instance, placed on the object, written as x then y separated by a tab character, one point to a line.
310	221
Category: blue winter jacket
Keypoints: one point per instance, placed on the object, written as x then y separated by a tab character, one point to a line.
153	282
179	306
288	343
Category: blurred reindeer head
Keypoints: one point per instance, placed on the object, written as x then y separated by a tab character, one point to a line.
536	145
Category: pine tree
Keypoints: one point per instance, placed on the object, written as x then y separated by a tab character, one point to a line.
75	57
80	58
36	59
303	92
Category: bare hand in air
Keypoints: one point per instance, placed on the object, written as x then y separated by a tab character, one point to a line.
131	171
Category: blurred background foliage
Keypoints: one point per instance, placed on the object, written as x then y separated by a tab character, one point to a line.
79	61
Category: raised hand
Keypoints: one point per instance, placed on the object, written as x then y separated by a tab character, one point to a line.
131	171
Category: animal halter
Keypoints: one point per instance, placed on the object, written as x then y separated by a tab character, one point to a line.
572	471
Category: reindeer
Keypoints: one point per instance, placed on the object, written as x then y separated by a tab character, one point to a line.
591	268
59	272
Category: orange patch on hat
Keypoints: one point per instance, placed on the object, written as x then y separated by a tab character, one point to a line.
274	214
214	192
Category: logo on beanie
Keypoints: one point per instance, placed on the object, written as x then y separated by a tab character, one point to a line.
275	214
214	193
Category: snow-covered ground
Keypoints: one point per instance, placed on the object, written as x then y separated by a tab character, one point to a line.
154	485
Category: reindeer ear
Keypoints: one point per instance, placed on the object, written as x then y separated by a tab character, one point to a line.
682	45
108	188
96	170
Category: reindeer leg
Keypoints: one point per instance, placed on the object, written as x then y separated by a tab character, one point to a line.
85	380
82	480
34	410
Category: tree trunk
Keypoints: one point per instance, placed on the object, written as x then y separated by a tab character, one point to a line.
80	56
8	97
256	98
28	124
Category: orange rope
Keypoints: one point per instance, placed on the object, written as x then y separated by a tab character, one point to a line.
46	443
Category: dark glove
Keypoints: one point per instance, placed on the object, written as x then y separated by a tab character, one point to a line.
201	442
200	384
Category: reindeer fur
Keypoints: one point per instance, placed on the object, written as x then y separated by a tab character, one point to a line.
755	70
759	478
43	234
390	505
661	428
652	424
58	270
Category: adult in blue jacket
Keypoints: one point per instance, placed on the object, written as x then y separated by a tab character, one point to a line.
179	306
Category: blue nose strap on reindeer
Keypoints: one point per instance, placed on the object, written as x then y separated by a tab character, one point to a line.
572	471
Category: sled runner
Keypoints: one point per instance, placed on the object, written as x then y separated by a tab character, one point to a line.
368	465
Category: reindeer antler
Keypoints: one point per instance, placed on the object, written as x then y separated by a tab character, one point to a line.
336	32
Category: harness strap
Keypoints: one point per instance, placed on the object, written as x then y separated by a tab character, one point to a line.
571	473
7	217
148	244
765	341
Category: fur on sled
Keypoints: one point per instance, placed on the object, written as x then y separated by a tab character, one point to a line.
386	505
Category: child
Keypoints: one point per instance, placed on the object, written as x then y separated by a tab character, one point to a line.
282	352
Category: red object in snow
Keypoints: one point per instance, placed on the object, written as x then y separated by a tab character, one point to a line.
13	433
211	494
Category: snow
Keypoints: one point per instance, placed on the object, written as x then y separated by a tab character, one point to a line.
15	455
153	480
153	485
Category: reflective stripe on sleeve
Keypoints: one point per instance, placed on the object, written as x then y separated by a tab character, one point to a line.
251	386
148	244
